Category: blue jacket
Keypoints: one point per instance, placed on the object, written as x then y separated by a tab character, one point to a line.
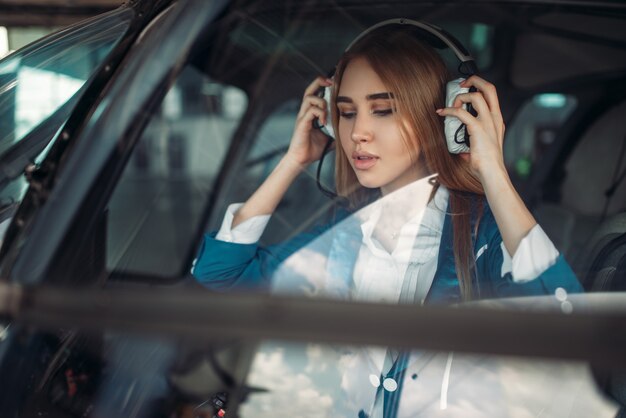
222	265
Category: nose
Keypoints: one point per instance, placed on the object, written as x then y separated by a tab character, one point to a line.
360	137
361	131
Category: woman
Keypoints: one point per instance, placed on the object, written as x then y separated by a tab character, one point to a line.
454	239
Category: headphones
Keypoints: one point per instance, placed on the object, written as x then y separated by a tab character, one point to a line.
457	138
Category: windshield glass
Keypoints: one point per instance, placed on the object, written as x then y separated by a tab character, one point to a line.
224	185
399	245
37	81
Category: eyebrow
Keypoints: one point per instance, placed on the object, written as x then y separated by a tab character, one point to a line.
375	96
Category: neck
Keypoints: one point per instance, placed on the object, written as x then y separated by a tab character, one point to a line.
417	174
404	203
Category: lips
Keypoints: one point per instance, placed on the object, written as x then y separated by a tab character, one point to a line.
364	160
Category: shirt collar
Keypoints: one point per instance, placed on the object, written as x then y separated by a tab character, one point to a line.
428	223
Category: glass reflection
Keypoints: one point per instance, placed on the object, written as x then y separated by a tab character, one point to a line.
419	222
322	381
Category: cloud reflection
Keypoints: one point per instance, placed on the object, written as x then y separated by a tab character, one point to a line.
291	393
313	380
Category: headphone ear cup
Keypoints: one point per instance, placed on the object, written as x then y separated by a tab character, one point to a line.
455	131
324	93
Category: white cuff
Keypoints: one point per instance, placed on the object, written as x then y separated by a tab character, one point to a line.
534	255
247	232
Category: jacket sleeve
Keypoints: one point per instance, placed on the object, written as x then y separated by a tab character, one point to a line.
224	265
492	283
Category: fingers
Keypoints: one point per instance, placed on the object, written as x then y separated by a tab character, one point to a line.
311	113
487	89
490	97
311	99
484	101
316	84
483	113
476	99
315	106
463	115
475	125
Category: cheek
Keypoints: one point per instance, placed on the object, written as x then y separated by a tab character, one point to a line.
402	148
346	147
406	141
344	136
394	141
344	128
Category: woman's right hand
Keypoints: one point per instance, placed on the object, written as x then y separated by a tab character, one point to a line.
307	142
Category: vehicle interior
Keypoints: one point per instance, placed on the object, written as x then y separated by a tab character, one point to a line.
226	119
565	135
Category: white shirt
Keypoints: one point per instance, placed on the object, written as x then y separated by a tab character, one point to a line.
534	255
418	243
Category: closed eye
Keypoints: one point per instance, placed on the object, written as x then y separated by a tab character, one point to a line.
382	112
347	115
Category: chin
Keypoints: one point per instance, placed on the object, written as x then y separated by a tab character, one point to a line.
369	183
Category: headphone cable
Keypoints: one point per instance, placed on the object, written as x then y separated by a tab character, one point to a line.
324	190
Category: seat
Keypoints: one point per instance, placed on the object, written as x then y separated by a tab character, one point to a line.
605	256
601	259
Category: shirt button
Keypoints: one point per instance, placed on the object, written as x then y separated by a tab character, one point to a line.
390	385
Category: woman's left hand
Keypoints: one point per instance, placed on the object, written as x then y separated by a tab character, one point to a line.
486	129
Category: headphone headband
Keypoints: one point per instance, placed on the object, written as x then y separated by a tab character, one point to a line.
450	41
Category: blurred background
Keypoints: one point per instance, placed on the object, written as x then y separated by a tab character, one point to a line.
23	21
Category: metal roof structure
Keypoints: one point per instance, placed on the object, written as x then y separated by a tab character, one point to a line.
51	12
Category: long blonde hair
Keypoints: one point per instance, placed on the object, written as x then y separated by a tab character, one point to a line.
417	76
